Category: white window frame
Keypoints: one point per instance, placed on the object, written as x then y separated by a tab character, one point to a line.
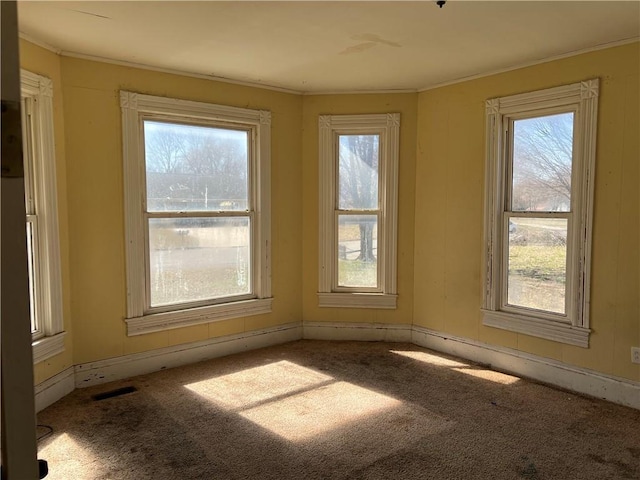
387	126
42	213
581	99
135	109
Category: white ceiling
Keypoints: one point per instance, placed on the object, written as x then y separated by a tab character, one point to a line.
340	46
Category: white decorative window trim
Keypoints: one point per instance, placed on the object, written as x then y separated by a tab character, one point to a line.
47	347
387	125
157	322
136	106
358	300
582	99
536	327
49	312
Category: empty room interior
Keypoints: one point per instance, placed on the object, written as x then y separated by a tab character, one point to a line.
331	239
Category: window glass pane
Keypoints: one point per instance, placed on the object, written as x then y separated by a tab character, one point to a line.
358	250
537	263
358	172
195	168
194	259
31	267
542	155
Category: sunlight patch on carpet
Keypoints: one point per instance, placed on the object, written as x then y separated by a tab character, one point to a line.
62	449
300	404
428	358
490	375
316	411
253	386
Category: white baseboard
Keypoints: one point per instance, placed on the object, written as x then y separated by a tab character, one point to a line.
581	380
614	389
53	389
363	332
103	371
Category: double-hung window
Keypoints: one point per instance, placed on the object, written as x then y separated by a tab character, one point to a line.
538	211
358	208
43	251
197	212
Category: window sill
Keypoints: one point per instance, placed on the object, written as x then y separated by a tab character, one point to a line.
358	300
547	329
158	322
47	347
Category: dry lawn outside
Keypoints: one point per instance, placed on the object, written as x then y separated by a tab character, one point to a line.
357	273
538	262
537	265
198	263
352	271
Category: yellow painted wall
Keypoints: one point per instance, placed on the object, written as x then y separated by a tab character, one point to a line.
96	216
440	205
315	105
46	63
449	220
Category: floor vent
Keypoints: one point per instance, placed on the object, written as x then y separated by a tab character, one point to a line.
114	393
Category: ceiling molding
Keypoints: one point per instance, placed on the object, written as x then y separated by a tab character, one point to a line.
39	43
143	66
574	53
361	92
182	73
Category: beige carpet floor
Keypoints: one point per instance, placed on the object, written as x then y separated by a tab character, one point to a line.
338	410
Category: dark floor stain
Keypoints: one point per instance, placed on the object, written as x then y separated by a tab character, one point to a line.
529	471
624	470
635	452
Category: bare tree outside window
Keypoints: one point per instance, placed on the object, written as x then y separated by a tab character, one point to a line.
195	168
165	148
542	158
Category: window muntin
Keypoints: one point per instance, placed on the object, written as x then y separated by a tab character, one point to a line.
197	188
32	232
538	212
358	210
41	217
198	214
